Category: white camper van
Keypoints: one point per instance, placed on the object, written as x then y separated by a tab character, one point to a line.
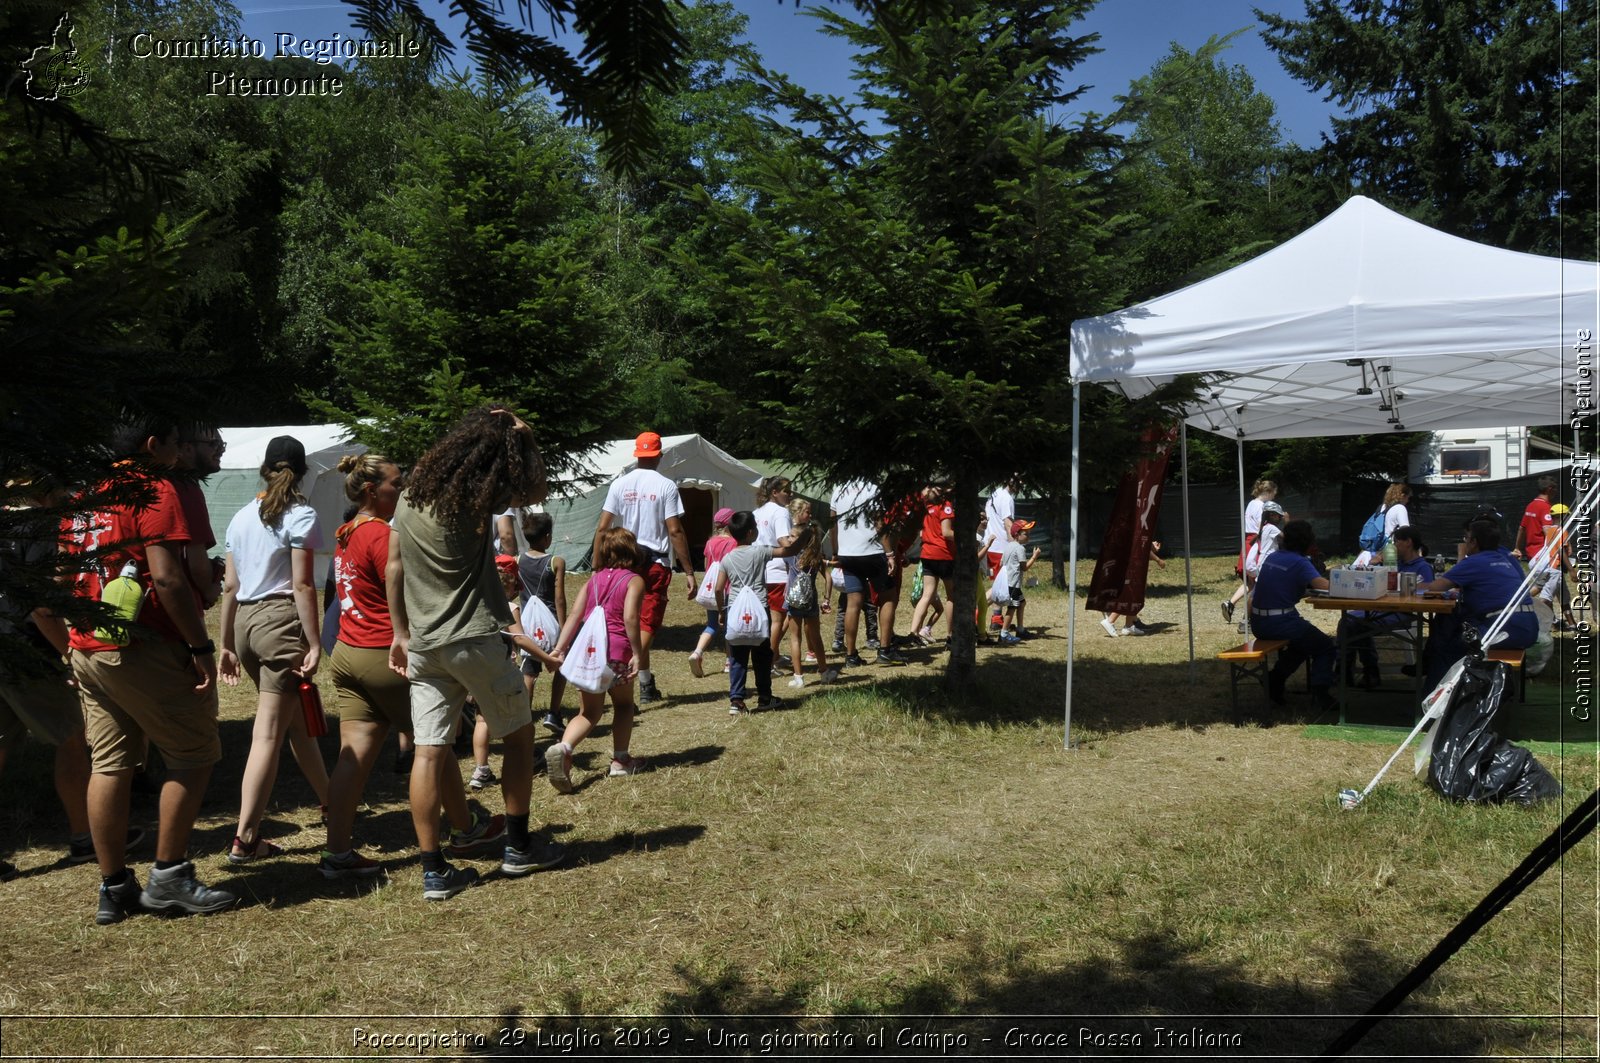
1464	455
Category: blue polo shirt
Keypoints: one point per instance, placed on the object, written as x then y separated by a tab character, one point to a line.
1283	580
1488	579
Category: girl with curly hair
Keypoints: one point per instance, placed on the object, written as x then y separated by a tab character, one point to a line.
447	608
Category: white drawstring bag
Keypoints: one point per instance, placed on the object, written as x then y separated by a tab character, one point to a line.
706	596
1000	590
836	577
747	618
539	624
585	664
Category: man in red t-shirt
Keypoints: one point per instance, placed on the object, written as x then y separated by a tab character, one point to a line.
1535	520
154	681
938	555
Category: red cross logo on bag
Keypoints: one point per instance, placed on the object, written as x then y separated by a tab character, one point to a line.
747	618
539	634
589	652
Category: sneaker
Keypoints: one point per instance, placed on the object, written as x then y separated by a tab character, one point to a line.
1137	628
1108	626
855	661
782	661
177	888
837	647
797	682
553	722
118	902
558	766
538	856
626	766
810	658
769	704
648	691
872	644
350	865
926	634
736	707
1227	610
83	852
486	832
696	666
831	675
891	657
442	885
1008	639
482	776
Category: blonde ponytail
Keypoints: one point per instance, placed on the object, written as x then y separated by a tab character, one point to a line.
283	491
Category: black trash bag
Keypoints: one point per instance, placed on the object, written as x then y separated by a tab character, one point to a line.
1471	762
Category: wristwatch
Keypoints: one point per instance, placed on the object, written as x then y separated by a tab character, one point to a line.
205	649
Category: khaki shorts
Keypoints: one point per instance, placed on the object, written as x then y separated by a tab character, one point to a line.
45	707
146	693
367	690
270	643
442	677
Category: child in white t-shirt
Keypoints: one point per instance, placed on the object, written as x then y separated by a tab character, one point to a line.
1015	561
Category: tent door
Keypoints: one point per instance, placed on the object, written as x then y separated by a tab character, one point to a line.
698	505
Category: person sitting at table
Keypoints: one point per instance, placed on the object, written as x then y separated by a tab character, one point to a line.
1488	579
1358	628
1284	578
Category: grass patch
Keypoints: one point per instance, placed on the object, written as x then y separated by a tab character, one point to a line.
879	848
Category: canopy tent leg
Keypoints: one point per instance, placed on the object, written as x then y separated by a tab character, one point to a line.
1188	568
1243	504
1072	571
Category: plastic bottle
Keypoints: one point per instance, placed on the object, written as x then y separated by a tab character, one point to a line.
125	596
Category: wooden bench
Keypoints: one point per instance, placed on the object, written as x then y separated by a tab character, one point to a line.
1248	660
1513	659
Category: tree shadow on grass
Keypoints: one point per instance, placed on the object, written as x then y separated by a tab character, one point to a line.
1150	995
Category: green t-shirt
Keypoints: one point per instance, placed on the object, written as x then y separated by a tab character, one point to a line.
452	589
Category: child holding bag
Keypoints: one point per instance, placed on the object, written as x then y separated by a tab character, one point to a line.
744	570
616	590
717	548
801	601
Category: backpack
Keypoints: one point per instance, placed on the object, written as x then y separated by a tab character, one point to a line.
801	597
747	618
1000	589
585	664
706	596
539	624
1372	537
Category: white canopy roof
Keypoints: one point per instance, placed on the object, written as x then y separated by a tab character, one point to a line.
1445	331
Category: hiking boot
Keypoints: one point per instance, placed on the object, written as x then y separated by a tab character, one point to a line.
482	776
537	856
83	852
855	661
553	722
177	888
558	766
486	832
118	902
442	885
627	765
1275	691
648	691
350	865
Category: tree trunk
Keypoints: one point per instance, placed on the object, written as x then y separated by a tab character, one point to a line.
1058	542
960	674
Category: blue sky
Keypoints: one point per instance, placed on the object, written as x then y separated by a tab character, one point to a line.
1134	34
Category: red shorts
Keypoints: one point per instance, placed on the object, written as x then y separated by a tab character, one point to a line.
657	583
775	596
994	564
1249	541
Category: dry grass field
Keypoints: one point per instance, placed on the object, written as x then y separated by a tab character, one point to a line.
872	850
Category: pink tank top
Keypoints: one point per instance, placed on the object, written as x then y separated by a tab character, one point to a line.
608	588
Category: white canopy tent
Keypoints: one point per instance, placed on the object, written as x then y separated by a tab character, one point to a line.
1367	322
231	488
709	477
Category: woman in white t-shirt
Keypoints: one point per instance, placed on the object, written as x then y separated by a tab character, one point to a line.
270	629
1395	515
773	525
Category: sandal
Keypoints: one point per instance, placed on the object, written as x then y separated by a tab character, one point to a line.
263	850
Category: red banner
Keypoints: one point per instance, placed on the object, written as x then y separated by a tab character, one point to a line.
1119	575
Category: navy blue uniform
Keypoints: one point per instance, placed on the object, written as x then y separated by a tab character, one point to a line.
1282	582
